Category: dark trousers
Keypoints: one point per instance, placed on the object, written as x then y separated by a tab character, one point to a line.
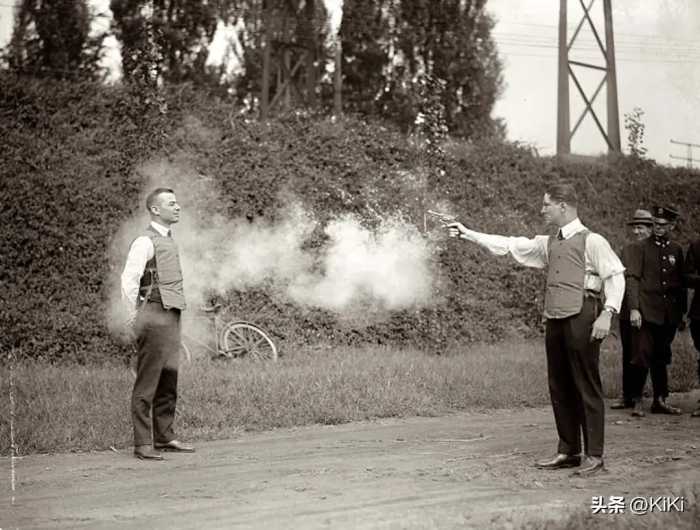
574	381
627	367
632	371
695	334
654	355
155	389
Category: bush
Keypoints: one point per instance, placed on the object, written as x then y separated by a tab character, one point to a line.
70	175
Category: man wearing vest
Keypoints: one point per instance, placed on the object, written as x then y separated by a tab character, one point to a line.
657	301
641	225
152	290
692	279
581	268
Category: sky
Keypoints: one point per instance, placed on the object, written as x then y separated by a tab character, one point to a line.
657	44
658	70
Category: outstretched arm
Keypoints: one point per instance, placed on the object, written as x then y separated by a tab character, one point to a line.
528	252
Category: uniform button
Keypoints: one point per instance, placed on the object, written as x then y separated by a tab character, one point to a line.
663	270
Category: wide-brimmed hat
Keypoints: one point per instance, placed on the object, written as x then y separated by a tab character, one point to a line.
667	213
642	217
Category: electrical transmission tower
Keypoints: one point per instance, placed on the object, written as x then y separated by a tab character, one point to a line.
611	133
688	159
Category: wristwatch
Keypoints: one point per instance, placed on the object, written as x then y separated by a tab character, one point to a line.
610	310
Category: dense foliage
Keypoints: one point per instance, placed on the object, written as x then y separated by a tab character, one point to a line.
69	176
181	30
53	39
388	44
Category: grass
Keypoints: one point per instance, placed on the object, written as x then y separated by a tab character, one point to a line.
70	407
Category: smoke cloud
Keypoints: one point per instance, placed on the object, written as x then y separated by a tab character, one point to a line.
357	268
388	267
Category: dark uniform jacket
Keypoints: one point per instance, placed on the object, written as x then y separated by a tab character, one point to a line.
655	281
692	277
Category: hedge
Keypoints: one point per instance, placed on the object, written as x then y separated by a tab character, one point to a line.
72	171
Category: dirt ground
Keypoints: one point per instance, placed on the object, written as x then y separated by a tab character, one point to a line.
462	470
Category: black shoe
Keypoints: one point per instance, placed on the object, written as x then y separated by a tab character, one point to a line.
591	466
560	461
146	452
174	446
638	410
622	404
659	407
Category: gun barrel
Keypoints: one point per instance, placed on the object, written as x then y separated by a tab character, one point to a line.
442	216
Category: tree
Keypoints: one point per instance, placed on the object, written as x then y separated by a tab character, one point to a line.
51	38
182	31
635	132
389	44
365	31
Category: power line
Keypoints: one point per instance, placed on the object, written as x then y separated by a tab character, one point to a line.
626	46
638	35
689	158
617	58
624	53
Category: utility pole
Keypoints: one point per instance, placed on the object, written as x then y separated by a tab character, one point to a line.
689	158
610	133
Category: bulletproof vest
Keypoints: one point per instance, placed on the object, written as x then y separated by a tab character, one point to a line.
162	278
565	276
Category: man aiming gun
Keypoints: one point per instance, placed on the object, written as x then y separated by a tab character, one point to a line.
582	269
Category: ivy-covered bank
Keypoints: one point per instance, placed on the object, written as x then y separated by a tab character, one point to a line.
69	176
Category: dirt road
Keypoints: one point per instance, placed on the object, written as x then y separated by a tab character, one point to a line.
462	470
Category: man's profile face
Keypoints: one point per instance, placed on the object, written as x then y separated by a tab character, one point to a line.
166	208
641	232
552	211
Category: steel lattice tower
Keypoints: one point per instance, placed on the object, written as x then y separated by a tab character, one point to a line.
611	133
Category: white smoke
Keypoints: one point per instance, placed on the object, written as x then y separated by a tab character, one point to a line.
388	267
356	269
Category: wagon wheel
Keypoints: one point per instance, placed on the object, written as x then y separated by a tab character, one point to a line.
243	339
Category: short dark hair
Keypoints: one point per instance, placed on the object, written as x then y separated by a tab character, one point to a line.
151	198
562	191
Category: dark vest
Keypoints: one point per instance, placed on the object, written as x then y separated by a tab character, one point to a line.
565	276
162	278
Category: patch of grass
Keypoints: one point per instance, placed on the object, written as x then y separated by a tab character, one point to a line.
71	407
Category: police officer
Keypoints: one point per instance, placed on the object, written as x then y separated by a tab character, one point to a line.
692	278
641	226
657	301
152	289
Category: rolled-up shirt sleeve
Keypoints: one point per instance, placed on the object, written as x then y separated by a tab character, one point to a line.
610	269
527	252
140	252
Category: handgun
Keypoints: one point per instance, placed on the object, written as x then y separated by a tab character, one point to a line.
444	218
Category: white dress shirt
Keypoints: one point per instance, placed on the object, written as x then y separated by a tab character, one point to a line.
602	266
140	252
